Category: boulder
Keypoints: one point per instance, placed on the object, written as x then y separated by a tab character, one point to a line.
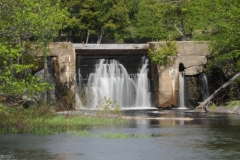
51	93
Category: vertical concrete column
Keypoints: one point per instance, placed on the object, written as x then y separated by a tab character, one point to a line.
165	83
166	87
65	54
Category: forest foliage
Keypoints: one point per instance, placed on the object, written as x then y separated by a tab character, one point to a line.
137	21
24	22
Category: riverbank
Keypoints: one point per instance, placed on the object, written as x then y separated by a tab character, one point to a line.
45	121
221	109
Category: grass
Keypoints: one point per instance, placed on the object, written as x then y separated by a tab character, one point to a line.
109	135
213	106
233	104
44	121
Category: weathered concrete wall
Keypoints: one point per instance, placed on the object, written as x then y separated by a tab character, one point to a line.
193	56
64	60
165	80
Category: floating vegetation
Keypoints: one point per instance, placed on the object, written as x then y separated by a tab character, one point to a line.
109	135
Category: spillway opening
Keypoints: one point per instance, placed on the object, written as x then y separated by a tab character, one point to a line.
181	86
122	81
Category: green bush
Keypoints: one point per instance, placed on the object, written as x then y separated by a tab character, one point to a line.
164	54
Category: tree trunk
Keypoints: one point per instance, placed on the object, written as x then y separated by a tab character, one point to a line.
59	35
207	101
88	33
100	37
183	31
177	29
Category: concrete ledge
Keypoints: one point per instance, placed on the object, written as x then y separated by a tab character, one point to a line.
110	46
191	61
187	48
193	70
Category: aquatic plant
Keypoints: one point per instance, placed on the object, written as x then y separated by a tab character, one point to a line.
109	109
108	135
42	121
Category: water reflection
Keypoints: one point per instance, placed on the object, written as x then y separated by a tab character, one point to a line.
21	154
179	135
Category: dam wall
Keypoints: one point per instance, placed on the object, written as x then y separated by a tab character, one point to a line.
190	59
67	57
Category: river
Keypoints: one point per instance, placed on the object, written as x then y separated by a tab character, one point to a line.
178	135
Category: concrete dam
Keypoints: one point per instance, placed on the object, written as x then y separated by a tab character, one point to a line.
128	75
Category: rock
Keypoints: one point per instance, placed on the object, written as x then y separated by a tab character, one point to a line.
233	110
193	70
51	93
192	93
28	102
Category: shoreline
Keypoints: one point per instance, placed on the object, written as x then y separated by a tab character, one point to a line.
221	109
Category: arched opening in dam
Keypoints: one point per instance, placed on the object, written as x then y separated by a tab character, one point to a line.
181	93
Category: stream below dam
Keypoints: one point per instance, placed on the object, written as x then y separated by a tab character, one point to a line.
178	135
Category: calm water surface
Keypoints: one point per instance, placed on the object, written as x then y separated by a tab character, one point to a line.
203	137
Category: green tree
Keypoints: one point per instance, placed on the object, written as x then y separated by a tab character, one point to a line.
182	18
225	36
21	21
99	18
148	23
115	19
218	22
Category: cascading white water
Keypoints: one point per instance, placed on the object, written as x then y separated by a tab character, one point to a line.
204	86
181	91
111	81
143	94
77	94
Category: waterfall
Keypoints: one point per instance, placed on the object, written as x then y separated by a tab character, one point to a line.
142	82
204	86
79	89
111	82
181	91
